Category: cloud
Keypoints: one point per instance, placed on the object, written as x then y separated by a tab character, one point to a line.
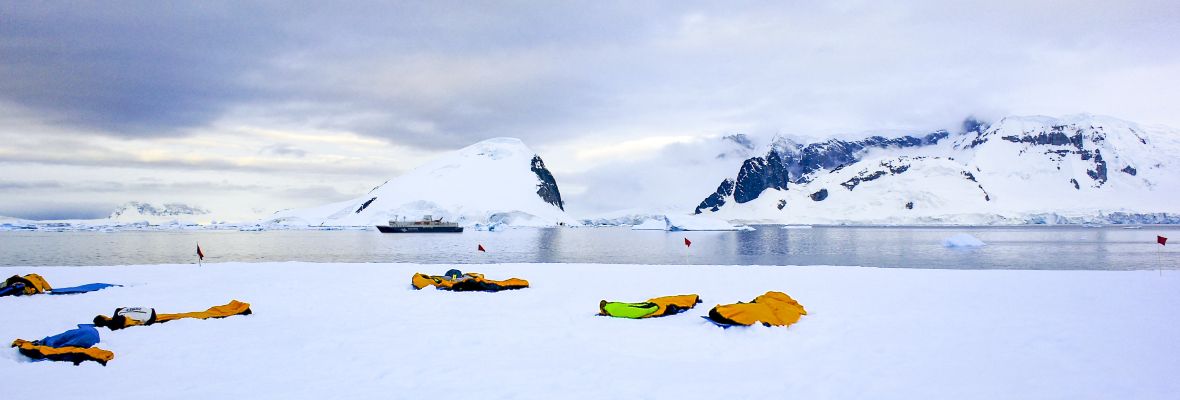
362	91
49	209
445	74
283	149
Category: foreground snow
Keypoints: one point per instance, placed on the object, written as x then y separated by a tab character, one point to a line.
359	331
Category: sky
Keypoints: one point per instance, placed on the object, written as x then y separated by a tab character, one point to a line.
245	108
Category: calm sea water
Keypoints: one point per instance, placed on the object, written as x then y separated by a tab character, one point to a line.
1107	248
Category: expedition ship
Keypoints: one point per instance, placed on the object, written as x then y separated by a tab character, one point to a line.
427	224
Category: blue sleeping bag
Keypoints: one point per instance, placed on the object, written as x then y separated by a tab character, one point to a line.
74	345
85	336
89	287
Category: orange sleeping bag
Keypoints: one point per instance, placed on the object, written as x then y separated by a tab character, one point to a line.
471	281
771	309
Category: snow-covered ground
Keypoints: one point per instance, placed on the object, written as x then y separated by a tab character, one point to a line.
359	331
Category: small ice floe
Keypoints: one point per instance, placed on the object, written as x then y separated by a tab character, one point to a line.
796	226
1133	227
963	240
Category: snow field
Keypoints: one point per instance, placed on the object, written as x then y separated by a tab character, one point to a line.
359	331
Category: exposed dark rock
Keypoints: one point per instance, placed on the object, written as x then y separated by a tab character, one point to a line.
834	154
972	125
1075	184
789	162
1130	170
741	139
1056	137
891	167
1099	172
820	195
856	180
909	206
547	188
970	176
717	199
1072	136
782	203
365	205
757	175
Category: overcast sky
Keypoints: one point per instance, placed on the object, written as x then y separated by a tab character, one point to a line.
246	109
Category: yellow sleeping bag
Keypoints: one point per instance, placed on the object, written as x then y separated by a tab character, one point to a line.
471	281
771	309
134	316
71	354
28	285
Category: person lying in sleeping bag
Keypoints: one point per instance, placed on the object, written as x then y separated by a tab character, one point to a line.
75	345
133	316
770	309
457	281
657	307
34	284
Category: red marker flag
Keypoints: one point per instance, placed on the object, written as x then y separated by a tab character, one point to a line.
480	248
687	243
200	254
1161	240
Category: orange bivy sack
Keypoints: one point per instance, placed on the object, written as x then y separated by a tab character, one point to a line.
454	280
771	309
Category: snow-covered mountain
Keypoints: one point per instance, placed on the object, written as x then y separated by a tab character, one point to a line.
136	212
1075	169
491	182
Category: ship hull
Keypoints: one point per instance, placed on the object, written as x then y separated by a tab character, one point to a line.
419	229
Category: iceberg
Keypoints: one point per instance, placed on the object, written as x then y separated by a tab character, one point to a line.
963	240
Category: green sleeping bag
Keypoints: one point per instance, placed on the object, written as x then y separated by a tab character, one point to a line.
657	307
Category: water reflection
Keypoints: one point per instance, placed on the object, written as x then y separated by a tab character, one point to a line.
1008	247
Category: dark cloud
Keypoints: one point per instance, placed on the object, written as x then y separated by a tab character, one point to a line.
443	74
131	68
208	164
283	149
149	69
53	209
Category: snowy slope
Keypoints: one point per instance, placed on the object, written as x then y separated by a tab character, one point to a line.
494	181
1074	169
